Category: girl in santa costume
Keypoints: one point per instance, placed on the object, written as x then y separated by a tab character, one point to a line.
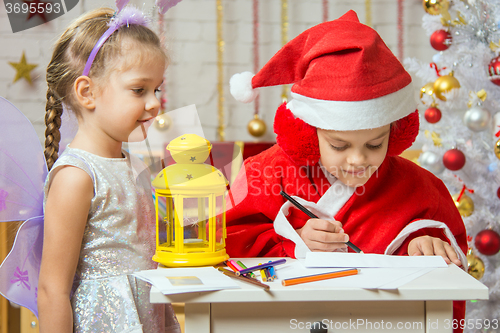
351	114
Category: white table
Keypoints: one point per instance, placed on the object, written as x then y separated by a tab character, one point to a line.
422	305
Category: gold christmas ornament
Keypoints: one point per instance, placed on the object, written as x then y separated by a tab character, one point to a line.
427	89
435	7
256	126
444	84
497	149
162	122
475	266
465	206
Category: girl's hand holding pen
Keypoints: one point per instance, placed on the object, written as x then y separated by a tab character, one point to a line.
323	235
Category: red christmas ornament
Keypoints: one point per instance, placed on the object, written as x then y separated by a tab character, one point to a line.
498	193
487	242
432	114
494	70
440	40
454	159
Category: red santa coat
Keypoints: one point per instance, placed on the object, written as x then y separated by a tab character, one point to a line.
399	202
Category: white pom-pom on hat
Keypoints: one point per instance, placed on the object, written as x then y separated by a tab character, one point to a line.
240	86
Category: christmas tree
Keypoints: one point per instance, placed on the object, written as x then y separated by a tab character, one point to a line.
460	130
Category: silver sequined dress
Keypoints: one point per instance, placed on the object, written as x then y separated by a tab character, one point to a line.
119	238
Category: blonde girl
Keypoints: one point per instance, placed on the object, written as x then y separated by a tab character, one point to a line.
99	214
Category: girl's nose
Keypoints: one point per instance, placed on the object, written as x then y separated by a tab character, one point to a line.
153	103
356	158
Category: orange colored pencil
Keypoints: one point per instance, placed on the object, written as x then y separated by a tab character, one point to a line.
319	277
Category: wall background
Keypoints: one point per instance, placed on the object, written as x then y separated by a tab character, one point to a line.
191	40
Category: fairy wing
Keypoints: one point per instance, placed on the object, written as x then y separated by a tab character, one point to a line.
22	166
20	270
22	174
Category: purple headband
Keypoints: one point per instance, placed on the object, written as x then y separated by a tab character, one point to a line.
125	16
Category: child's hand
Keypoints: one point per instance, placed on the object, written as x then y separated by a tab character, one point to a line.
429	246
322	235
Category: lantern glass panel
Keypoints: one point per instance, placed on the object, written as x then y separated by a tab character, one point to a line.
195	217
165	221
219	220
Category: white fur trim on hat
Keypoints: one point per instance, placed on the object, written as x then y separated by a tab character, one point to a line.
356	115
240	86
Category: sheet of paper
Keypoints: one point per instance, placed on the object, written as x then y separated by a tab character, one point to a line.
359	260
367	278
184	280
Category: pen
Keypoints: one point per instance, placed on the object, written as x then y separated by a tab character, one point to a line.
268	264
243	278
319	277
311	215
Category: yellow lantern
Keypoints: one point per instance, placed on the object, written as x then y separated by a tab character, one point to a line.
192	230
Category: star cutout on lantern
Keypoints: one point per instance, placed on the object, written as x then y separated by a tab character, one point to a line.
193	158
189	177
183	138
38	12
23	69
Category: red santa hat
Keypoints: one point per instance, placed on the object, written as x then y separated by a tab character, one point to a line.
344	78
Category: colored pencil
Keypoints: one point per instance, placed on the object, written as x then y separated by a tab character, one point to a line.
235	264
244	267
268	264
230	265
244	278
263	275
272	272
313	216
268	274
319	277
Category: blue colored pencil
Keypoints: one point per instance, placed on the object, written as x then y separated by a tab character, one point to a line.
272	271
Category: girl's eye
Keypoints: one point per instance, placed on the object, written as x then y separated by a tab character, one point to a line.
338	148
374	147
138	91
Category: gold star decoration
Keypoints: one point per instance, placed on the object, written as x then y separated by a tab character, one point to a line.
23	69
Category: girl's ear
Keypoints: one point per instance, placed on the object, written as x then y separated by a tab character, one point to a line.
84	92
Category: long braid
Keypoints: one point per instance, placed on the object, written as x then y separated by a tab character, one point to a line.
53	113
